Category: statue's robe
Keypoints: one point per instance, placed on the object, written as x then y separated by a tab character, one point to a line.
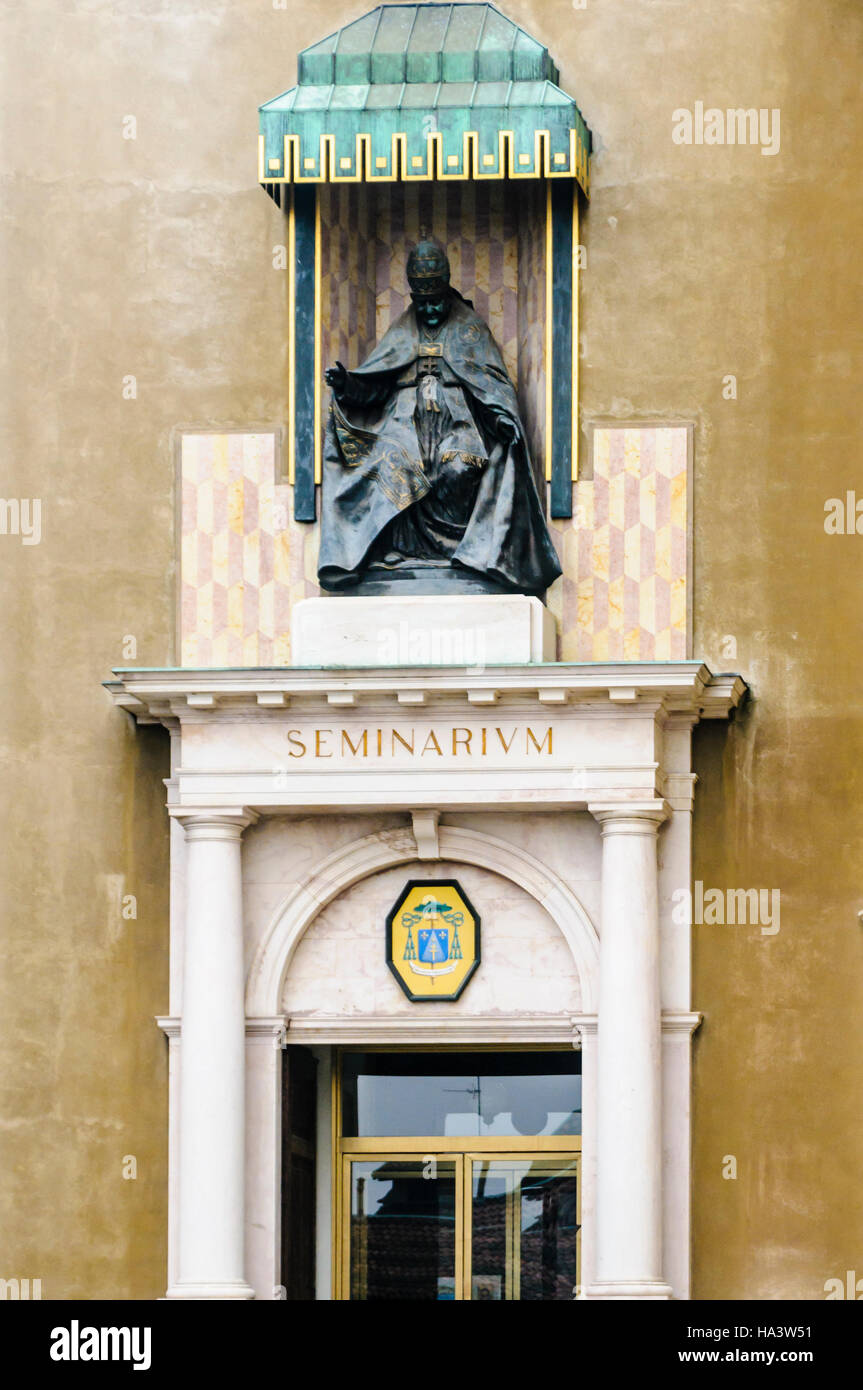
412	466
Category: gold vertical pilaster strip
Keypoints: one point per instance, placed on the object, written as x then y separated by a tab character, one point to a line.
292	338
549	304
575	287
317	416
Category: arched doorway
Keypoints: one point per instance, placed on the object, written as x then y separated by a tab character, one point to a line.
507	1186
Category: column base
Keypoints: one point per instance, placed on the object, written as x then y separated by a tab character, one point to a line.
236	1290
628	1288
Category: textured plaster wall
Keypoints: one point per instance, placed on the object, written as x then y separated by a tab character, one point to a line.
705	261
153	258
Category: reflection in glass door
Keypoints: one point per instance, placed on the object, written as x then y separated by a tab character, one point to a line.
523	1215
460	1225
402	1237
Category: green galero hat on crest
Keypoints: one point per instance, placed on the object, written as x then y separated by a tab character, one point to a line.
428	269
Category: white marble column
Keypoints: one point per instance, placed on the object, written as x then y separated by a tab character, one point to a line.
628	1249
211	1118
265	1038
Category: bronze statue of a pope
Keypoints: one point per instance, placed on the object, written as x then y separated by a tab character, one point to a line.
428	486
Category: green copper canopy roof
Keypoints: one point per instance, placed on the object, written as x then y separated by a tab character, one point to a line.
424	92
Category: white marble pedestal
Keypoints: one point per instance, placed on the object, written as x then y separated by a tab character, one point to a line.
447	630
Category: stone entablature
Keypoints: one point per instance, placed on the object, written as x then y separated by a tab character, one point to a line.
446	738
690	686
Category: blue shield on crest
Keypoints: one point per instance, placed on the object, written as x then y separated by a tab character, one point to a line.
433	945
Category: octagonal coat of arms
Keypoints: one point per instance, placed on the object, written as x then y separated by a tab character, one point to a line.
433	939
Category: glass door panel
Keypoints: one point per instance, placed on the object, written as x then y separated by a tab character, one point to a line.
402	1228
420	1227
524	1228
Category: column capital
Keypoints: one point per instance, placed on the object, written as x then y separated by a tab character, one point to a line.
680	1022
629	817
584	1027
273	1030
213	823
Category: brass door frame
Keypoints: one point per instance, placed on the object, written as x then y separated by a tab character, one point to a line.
462	1153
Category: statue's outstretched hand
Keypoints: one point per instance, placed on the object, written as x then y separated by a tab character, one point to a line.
336	377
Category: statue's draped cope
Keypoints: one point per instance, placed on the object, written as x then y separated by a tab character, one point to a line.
413	468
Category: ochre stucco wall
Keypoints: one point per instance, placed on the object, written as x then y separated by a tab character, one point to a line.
153	257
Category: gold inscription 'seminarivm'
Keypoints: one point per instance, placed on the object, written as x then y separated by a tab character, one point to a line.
457	742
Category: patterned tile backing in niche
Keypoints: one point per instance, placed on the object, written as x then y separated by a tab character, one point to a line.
243	561
624	591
